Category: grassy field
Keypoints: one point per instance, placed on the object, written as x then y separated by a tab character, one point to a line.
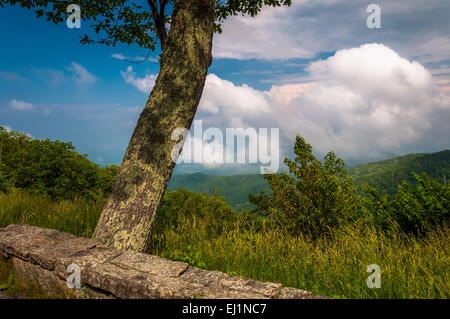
336	266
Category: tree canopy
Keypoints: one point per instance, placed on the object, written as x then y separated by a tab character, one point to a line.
51	167
143	23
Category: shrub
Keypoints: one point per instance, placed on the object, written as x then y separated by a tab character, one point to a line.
416	209
314	198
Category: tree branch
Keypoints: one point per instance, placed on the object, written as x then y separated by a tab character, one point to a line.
159	19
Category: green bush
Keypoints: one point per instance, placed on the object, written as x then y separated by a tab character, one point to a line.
182	207
52	168
314	198
251	247
416	208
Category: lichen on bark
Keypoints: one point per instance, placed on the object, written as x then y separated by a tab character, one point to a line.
147	166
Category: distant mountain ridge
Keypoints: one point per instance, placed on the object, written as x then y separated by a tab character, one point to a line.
234	188
386	175
383	175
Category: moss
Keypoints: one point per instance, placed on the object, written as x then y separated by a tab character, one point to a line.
15	288
5	270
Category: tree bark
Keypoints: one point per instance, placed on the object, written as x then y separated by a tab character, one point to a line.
127	218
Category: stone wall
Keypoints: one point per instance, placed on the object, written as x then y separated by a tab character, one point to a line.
39	260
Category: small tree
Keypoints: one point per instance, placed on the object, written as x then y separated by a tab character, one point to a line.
314	198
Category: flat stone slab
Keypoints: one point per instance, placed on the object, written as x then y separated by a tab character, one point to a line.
150	264
43	256
40	245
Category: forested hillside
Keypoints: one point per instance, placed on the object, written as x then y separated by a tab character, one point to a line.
56	169
384	176
234	188
310	229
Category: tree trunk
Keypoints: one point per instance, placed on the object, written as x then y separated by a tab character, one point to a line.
147	166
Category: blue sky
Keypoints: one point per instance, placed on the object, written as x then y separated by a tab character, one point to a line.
314	69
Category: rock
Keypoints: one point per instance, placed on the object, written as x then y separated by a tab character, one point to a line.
150	264
221	285
40	257
39	245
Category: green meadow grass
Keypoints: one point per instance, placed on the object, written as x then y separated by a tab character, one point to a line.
78	217
336	266
410	268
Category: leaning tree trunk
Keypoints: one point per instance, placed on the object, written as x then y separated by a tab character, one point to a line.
147	166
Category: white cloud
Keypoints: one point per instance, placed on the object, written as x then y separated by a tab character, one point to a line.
369	101
7	128
222	94
120	56
81	74
213	147
309	27
365	102
21	106
143	84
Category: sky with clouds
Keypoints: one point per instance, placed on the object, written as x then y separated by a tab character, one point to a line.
313	69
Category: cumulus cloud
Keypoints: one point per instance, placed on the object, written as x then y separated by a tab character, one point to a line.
81	74
221	94
21	106
213	147
369	101
365	101
312	26
142	84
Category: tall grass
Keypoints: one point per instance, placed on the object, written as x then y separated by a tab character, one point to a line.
336	266
410	268
78	217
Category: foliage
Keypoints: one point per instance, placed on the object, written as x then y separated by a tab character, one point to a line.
375	210
249	7
130	22
8	283
328	256
234	189
51	167
313	198
417	208
78	216
334	266
182	207
385	176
